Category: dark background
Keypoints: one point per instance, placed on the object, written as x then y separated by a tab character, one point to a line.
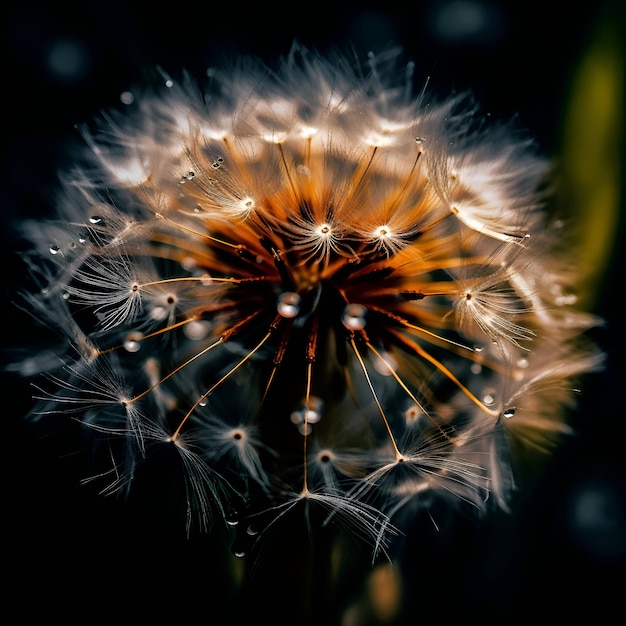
565	545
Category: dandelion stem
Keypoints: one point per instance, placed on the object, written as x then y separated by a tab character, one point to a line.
407	181
240	248
211	389
161	331
278	357
432	336
177	369
405	388
444	370
202	279
283	159
361	172
374	395
307	403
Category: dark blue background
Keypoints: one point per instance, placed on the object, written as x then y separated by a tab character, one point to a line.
68	546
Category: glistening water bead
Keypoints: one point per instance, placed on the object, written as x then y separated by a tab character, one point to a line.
317	291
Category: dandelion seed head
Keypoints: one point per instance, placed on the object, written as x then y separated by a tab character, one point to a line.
331	295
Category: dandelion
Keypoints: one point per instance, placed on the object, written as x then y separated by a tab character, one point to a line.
329	297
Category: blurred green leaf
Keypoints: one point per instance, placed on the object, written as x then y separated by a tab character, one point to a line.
593	150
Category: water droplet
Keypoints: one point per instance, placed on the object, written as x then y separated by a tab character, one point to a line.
158	313
288	304
566	299
197	329
251	530
239	553
304	170
488	399
55	249
509	413
476	368
385	364
95	219
202	402
167	79
296	417
353	317
127	97
522	362
132	343
82	238
231	516
313	416
312	412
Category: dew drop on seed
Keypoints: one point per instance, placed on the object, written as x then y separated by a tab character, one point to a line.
288	304
189	263
296	417
95	219
304	170
353	317
132	342
252	530
385	364
488	399
311	413
566	299
312	416
197	329
55	249
158	313
127	97
82	239
509	413
203	402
